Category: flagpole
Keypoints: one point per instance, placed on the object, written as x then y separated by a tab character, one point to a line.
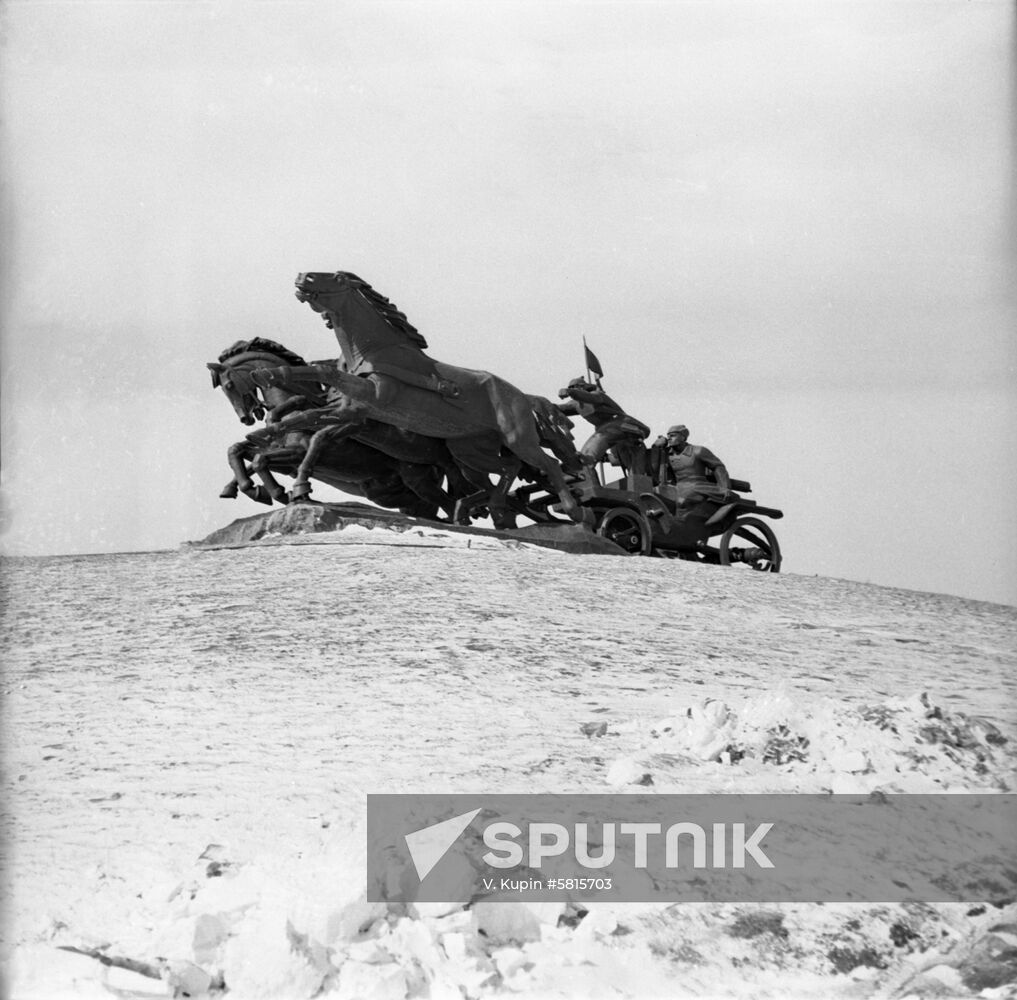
586	356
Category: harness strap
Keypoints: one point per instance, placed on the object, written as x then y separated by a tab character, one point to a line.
432	383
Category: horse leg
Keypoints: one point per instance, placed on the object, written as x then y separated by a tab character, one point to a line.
466	488
519	430
501	515
475	458
468	478
285	459
235	456
569	504
300	488
424	480
274	487
260	465
286	406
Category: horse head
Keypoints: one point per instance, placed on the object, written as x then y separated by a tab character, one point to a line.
323	291
342	294
230	373
242	395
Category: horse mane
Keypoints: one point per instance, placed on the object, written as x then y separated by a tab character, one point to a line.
386	309
262	344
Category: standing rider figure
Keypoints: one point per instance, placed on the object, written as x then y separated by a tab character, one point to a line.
615	429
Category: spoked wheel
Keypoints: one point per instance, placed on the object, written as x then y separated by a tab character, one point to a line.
761	551
627	529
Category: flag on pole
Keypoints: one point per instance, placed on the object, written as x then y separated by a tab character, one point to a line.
591	361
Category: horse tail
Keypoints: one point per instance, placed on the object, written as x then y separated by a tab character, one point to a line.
555	431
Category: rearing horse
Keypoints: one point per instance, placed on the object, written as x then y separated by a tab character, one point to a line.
392	380
379	461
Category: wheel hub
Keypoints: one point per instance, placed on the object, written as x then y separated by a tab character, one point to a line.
753	556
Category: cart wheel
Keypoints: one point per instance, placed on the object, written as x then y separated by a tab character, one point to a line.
627	529
762	553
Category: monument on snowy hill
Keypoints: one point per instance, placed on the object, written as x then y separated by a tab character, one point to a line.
388	423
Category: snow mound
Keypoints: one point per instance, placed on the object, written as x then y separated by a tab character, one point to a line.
903	745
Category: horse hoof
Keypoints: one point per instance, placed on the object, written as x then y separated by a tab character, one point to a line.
258	494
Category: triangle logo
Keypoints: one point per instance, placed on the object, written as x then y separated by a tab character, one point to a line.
428	846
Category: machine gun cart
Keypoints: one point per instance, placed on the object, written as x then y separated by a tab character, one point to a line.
645	520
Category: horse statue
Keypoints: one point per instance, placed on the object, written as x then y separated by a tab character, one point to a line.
386	376
379	461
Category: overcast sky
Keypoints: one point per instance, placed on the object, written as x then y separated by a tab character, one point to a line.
789	226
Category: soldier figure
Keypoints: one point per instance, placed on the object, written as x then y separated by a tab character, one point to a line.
681	469
615	429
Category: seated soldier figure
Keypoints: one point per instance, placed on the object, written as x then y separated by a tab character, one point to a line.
681	469
615	429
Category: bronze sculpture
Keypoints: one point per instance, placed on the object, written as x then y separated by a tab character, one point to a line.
688	472
389	377
614	430
388	422
371	459
314	432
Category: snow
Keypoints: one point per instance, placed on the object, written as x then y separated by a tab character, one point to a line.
194	734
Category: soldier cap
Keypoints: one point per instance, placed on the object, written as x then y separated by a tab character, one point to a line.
677	429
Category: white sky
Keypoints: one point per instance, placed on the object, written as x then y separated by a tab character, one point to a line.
789	226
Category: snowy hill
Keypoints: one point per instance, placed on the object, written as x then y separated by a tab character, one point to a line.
194	732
